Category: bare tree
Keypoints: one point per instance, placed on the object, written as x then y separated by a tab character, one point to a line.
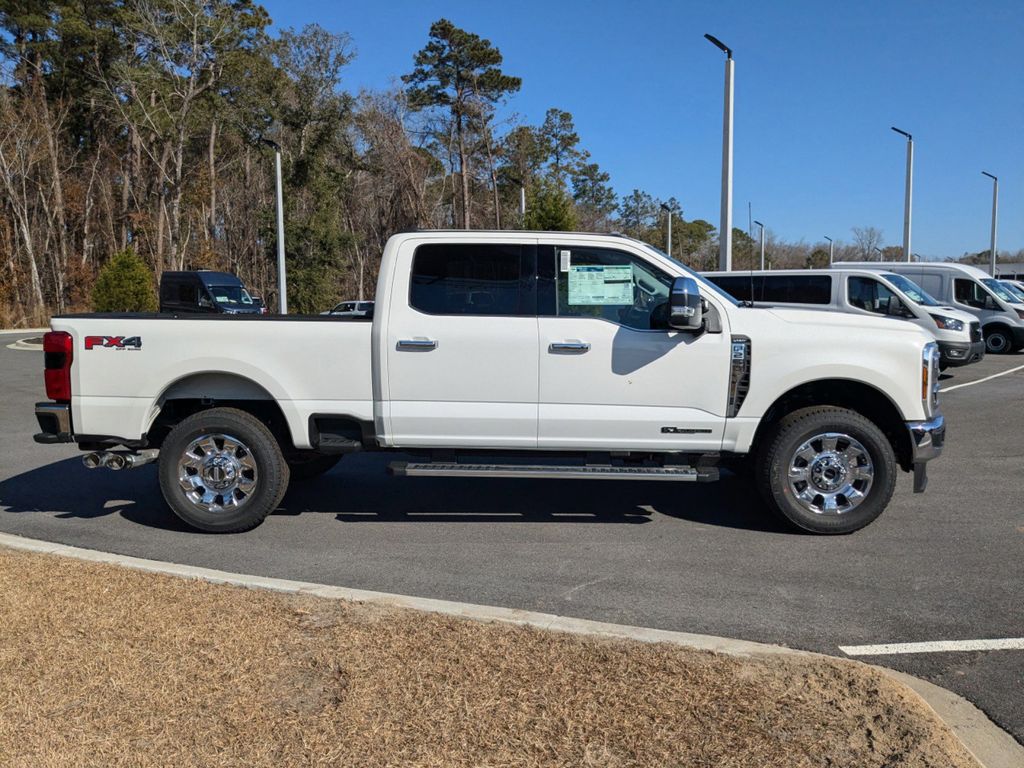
866	240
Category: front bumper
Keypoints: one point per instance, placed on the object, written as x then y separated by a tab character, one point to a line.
956	353
926	441
55	422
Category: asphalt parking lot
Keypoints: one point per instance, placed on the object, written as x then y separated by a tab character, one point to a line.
946	565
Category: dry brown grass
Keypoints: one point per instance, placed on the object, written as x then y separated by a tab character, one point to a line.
106	666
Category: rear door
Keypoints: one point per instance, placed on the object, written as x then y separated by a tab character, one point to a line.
461	346
612	375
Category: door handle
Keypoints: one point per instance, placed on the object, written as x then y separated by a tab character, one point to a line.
422	344
578	347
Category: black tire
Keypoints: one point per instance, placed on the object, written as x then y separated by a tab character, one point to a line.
309	464
247	451
998	340
779	452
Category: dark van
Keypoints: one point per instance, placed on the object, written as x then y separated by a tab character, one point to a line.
205	292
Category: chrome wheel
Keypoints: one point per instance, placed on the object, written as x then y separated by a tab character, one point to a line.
830	474
217	473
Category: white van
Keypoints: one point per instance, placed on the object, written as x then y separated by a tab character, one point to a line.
862	291
969	289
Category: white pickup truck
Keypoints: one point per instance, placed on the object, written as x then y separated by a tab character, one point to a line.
506	354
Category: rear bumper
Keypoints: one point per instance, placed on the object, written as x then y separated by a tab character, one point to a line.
55	422
926	441
956	353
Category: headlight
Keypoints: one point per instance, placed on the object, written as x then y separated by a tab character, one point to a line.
930	378
948	323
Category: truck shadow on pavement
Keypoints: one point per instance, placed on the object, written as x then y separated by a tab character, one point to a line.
360	491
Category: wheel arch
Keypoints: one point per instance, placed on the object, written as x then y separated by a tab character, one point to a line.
856	396
196	392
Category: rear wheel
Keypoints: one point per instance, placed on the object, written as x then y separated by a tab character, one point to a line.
998	340
827	470
221	470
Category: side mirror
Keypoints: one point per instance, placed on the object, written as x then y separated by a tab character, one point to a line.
686	313
205	302
989	303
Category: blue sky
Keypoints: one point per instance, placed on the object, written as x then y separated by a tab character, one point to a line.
817	86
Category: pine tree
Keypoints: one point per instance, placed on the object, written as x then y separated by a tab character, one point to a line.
125	284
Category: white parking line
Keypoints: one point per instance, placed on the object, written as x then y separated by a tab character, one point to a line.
979	381
937	646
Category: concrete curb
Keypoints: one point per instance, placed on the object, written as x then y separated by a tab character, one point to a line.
990	745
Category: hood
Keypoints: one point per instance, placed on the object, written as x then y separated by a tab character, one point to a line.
825	318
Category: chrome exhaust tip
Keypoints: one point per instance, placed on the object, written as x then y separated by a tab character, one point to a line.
115	461
94	460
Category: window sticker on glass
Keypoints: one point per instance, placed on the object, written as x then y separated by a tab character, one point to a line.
605	285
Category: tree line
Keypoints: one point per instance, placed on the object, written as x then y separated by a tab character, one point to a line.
148	126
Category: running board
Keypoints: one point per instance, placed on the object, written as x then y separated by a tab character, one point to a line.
553	472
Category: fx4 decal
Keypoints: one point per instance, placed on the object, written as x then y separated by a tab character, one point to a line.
113	342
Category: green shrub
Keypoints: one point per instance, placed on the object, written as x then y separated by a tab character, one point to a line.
125	284
551	209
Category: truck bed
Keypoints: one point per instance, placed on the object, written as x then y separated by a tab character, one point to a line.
308	364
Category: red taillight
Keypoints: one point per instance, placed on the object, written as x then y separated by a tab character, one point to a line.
57	349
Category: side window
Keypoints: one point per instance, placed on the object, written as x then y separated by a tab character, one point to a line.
867	293
611	285
741	288
796	289
969	292
187	293
468	279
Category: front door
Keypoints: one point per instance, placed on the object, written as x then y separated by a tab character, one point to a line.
612	375
461	347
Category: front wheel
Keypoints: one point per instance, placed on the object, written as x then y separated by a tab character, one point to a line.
998	341
221	470
827	470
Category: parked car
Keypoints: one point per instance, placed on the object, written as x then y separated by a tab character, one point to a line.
204	292
970	289
508	354
351	309
862	291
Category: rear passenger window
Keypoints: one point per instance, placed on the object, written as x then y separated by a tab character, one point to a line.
187	293
468	279
796	289
778	289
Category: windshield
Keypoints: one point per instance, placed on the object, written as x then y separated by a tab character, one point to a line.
1014	291
230	294
913	291
695	275
999	290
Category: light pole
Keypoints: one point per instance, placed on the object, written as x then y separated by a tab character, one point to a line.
762	241
879	252
909	194
282	283
725	229
995	213
830	249
668	211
